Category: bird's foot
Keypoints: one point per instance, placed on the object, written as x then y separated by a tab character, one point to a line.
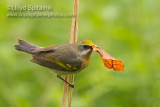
70	84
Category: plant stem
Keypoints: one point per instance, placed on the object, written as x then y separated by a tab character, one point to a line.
73	38
71	92
74	34
65	92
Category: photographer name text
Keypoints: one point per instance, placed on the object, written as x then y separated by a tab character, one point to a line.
29	8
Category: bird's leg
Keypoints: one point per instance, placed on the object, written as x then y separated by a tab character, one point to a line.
72	85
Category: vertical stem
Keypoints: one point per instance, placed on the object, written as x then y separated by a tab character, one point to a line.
65	92
74	27
73	38
74	34
71	92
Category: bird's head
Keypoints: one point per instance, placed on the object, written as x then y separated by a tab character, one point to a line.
85	48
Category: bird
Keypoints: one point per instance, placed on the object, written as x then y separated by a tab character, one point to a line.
62	59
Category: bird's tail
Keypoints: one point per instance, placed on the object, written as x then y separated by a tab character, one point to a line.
26	47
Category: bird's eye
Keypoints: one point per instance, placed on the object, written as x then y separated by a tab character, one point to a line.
85	46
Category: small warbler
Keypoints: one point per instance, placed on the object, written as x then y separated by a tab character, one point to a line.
63	59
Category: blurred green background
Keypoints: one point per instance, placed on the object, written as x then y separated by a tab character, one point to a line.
127	29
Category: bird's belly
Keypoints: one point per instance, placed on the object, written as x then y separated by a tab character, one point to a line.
64	72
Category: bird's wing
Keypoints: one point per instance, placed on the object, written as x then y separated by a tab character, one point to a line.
46	49
49	63
58	58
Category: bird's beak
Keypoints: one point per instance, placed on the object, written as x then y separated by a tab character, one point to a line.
95	48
